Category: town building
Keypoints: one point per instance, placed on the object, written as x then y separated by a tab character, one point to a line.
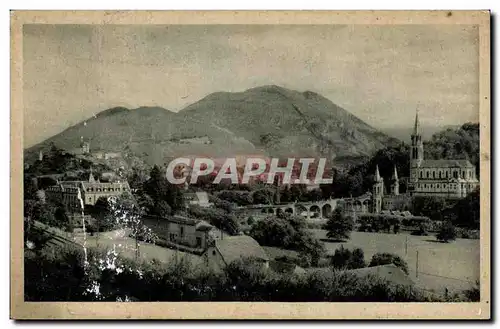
190	232
69	192
198	198
183	233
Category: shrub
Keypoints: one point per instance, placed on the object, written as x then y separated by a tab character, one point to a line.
387	258
346	259
447	232
357	259
250	220
341	257
473	294
421	231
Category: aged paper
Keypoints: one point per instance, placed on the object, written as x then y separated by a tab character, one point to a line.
250	165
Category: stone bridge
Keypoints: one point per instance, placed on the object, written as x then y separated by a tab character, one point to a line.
311	210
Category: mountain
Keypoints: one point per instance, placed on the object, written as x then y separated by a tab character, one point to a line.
284	122
267	120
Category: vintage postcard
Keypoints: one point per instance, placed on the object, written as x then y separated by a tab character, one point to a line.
250	165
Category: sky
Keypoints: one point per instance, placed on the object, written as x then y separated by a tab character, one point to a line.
382	74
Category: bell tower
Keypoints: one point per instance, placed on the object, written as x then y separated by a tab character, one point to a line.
378	192
416	152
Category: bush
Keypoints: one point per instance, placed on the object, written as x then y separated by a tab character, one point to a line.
447	232
347	259
357	259
386	258
250	221
421	231
473	294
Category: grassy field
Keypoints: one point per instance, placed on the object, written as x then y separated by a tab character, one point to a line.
126	247
453	265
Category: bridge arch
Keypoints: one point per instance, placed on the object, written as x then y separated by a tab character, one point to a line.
302	211
315	211
366	205
357	205
326	210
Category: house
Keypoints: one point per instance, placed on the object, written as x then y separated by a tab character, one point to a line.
188	234
199	199
231	248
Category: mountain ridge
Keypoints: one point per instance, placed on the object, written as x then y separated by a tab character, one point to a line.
268	120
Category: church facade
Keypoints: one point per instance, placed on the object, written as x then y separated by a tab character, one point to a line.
449	179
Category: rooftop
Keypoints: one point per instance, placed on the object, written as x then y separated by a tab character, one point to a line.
237	247
446	164
389	272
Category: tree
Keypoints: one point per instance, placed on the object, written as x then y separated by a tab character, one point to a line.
159	188
101	211
339	226
161	209
62	219
387	258
217	217
263	196
446	232
30	187
43	212
309	247
467	211
432	207
315	195
238	197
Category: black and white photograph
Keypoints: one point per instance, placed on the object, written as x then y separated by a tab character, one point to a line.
254	162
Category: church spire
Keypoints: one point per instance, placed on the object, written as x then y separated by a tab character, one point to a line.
395	174
377	174
416	129
91	176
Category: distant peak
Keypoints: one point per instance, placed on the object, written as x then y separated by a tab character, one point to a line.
310	94
111	111
151	110
268	88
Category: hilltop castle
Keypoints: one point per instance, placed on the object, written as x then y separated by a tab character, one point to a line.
449	179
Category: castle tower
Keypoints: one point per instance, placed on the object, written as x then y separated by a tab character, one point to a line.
40	156
395	182
416	152
378	192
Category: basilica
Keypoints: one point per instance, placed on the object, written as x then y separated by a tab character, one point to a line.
449	179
